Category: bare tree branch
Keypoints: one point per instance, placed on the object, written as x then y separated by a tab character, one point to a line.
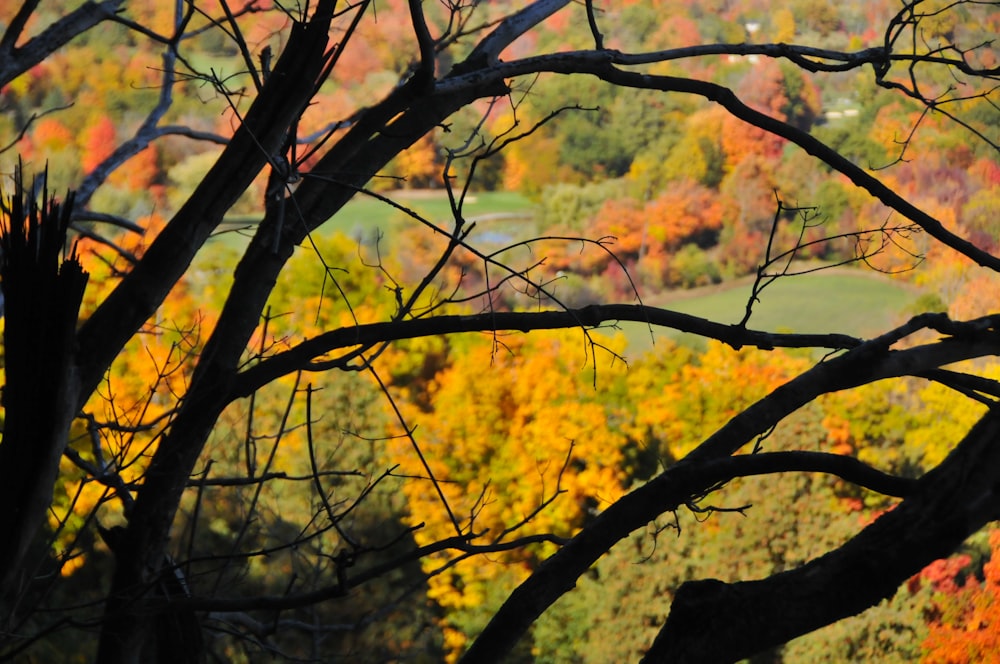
252	147
15	60
591	316
158	476
602	64
846	468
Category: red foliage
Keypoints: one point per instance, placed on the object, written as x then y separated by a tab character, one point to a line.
764	88
98	143
941	574
677	31
624	220
965	624
987	171
743	250
686	212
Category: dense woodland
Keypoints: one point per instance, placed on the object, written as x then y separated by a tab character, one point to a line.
324	475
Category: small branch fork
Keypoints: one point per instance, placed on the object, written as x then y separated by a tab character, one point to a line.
867	245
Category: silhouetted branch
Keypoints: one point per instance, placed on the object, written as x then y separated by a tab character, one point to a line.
300	356
944	507
15	60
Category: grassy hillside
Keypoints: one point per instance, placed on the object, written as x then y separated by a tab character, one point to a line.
851	302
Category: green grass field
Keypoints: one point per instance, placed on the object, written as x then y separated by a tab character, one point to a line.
364	212
861	304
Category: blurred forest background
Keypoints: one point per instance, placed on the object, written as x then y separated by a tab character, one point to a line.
684	196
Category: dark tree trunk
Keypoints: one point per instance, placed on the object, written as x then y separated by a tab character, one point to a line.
134	626
42	296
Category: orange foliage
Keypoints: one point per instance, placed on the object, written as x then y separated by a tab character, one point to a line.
267	26
626	221
531	164
682	409
419	165
839	438
740	140
156	16
764	90
677	31
50	135
685	211
98	78
98	142
381	45
979	296
966	627
139	172
892	125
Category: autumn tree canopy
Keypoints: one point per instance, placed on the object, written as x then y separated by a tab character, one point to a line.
232	432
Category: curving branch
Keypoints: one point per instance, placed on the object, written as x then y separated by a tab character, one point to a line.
425	42
947	505
813	146
301	356
487	52
605	65
846	468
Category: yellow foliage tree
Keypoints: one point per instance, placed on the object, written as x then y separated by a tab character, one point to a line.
944	416
515	436
783	25
679	403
